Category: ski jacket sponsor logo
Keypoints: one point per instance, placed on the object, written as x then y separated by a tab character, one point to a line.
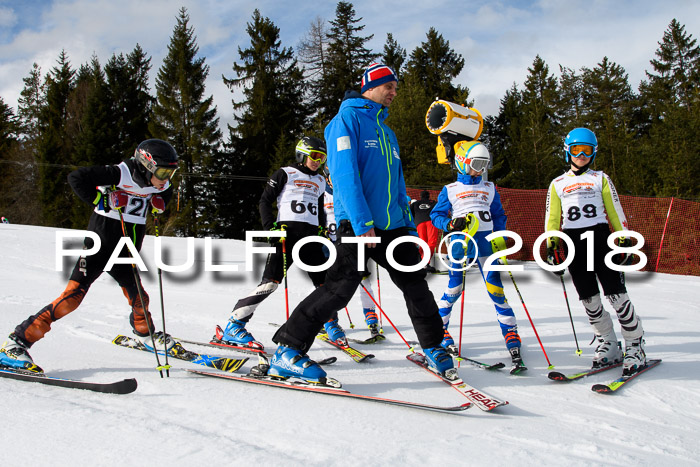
579	186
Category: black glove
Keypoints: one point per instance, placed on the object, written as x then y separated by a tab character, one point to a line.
624	259
457	225
554	257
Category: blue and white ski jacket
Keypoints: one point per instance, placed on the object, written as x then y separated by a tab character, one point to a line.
363	159
471	194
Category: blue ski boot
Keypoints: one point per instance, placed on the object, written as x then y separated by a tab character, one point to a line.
372	321
335	332
449	344
236	334
440	362
289	362
14	355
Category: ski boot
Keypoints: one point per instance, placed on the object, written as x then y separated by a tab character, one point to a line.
289	362
15	356
335	332
164	342
372	321
449	344
635	357
440	362
607	352
518	365
236	334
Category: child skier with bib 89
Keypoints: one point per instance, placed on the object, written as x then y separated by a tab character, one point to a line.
585	196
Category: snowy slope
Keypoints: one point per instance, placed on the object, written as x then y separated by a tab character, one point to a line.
192	420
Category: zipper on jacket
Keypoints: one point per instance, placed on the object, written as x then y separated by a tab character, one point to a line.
385	147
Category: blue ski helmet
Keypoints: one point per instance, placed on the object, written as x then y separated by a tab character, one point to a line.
580	136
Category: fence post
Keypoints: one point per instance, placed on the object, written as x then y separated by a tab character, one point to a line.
663	234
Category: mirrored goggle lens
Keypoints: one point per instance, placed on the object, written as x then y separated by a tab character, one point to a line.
164	173
317	157
479	164
577	149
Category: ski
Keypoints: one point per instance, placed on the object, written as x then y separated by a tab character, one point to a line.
329	390
479	398
556	376
179	352
355	354
124	386
247	350
616	385
370	340
478	364
352	352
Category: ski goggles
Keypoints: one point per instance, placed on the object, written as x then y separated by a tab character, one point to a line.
316	156
576	150
478	165
164	173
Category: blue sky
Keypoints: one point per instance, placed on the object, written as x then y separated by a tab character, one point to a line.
498	39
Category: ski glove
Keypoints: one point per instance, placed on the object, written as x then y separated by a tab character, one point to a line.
554	257
323	232
623	259
118	199
109	200
158	204
468	224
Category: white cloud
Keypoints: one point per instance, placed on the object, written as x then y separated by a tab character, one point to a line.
498	39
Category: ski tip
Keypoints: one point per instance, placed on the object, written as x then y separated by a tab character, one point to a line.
601	389
556	376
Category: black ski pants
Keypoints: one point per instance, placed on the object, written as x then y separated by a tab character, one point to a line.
342	280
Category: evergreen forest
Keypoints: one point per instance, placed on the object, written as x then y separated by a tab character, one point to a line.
98	112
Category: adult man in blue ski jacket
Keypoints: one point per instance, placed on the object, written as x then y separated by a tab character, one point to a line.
370	202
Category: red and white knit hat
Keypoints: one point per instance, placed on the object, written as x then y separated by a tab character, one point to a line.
375	75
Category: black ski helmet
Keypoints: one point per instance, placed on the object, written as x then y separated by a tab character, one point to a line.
307	145
154	157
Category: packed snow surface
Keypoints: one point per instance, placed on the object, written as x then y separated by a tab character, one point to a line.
194	420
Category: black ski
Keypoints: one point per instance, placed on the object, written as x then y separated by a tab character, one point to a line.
179	352
329	390
124	386
370	340
616	385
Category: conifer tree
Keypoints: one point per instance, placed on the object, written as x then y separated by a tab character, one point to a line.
348	58
607	102
428	74
184	117
535	157
270	120
55	149
394	55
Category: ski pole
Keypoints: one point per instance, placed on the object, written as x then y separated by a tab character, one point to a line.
156	224
137	279
387	318
379	296
284	266
566	297
352	326
461	316
526	312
